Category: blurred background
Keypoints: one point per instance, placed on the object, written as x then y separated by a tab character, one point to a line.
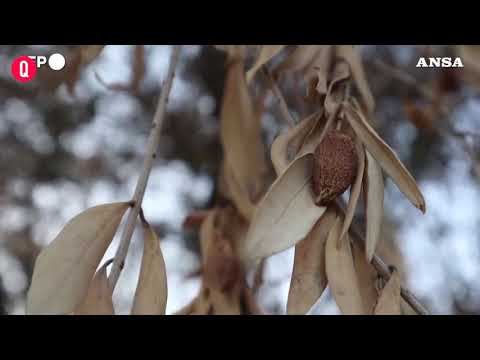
66	146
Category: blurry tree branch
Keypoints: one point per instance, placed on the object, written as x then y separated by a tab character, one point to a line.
150	155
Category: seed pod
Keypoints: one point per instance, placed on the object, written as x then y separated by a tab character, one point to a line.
335	167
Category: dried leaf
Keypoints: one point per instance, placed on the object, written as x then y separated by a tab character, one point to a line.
99	297
341	274
151	293
389	299
355	190
290	142
352	57
207	233
267	52
233	51
286	213
64	269
240	133
374	199
237	193
385	157
309	279
336	94
367	277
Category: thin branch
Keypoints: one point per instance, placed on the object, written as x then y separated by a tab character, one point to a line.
152	145
287	116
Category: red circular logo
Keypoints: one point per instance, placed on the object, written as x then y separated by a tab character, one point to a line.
24	69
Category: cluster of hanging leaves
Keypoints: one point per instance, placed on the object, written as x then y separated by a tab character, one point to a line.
269	200
329	151
66	280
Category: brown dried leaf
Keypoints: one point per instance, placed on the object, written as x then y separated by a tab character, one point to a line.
389	299
267	52
309	279
64	269
237	193
367	278
207	233
355	190
240	133
99	297
374	199
385	156
152	292
233	51
286	213
341	274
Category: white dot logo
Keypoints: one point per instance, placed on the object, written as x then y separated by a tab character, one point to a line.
56	62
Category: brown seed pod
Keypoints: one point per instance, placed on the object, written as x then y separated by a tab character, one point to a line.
335	167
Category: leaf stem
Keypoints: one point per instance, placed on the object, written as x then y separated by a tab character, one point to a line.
152	145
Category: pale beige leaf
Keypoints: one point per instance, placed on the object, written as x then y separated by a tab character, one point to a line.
351	55
341	274
367	277
151	293
286	213
237	193
99	297
355	190
389	299
267	52
240	133
385	156
64	269
374	199
309	278
290	142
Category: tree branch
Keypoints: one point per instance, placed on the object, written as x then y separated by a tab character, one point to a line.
152	145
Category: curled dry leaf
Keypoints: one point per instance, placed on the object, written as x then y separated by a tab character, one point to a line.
313	61
355	190
385	156
267	52
285	215
64	269
240	133
335	93
341	274
309	279
291	141
99	297
389	299
151	293
374	189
